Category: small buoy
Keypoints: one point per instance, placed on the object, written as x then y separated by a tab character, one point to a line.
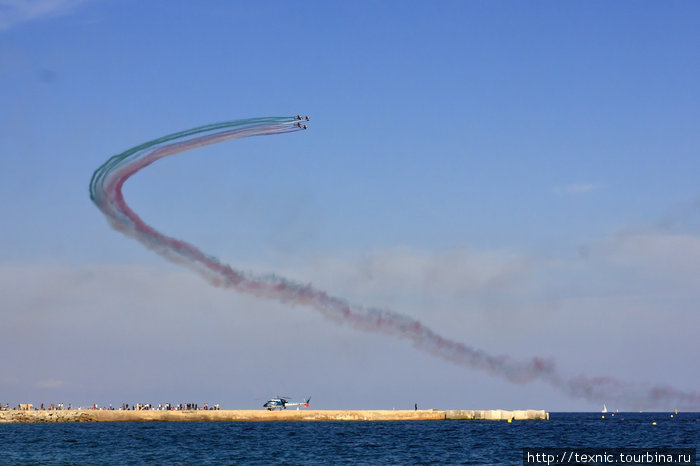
653	423
602	417
509	421
671	415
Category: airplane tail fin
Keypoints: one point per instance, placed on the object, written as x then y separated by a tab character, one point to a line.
307	401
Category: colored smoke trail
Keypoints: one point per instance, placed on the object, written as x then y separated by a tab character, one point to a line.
106	193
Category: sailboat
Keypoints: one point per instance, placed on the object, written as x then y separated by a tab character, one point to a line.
605	409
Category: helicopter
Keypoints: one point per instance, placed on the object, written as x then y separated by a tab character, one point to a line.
281	402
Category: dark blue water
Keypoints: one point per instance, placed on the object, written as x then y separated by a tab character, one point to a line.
428	442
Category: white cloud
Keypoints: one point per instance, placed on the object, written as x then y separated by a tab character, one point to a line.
456	271
672	256
573	189
447	290
13	12
138	327
50	383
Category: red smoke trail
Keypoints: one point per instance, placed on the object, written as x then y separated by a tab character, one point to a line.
106	192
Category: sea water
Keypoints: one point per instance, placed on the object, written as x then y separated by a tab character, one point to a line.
398	442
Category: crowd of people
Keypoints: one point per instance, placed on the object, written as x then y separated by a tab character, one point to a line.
123	407
170	407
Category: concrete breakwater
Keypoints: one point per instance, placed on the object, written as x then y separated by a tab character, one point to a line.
90	415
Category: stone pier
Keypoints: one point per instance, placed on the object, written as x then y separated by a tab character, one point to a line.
95	415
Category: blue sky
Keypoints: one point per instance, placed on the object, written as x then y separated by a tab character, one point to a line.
521	177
